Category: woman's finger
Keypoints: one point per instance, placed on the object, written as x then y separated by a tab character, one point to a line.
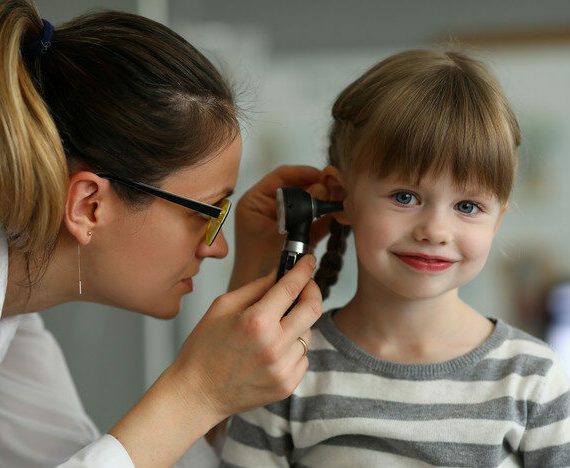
280	297
305	341
318	190
244	297
298	176
305	313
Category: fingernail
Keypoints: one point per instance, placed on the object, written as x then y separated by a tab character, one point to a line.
312	261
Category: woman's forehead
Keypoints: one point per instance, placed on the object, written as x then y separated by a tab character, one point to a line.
215	178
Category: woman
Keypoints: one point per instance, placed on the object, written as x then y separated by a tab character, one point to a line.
119	145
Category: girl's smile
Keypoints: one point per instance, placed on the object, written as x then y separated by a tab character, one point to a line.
424	262
420	241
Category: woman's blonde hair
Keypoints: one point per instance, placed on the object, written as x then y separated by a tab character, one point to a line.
421	112
33	168
114	92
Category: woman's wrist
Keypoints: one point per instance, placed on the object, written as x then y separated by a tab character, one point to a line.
169	418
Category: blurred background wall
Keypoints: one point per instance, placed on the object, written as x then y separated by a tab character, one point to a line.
289	60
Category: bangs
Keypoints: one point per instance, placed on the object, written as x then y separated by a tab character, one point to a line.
441	120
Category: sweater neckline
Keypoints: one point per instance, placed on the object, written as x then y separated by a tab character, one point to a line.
398	370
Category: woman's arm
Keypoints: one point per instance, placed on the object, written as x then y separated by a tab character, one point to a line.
241	355
258	243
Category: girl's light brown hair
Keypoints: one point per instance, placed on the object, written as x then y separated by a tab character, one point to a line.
114	92
420	112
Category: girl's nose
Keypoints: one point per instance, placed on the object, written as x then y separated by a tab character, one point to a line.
433	229
218	249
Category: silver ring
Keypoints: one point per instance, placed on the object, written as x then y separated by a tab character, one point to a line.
305	346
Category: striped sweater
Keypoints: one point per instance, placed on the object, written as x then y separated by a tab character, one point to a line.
505	403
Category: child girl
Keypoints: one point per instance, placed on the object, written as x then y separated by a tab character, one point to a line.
423	153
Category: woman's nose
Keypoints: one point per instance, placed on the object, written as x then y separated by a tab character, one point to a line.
433	229
218	249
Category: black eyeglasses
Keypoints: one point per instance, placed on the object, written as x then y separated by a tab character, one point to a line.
217	214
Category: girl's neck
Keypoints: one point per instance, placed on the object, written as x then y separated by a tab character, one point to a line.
411	331
57	285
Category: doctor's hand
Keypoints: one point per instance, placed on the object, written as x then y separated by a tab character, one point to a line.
258	243
243	354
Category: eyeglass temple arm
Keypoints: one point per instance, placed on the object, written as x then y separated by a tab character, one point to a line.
208	210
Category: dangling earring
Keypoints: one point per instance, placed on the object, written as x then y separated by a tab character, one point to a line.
89	233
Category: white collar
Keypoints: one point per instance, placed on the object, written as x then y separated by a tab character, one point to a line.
8	326
3	268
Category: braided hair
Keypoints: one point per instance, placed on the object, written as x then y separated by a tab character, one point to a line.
331	262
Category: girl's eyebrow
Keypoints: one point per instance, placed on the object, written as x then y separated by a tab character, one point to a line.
477	193
400	183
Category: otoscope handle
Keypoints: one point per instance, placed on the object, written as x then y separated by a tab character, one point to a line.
292	252
287	262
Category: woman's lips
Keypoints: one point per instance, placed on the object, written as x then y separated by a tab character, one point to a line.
425	262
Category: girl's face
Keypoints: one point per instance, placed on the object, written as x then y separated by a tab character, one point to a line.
144	260
421	241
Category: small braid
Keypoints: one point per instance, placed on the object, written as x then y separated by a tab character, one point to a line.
331	262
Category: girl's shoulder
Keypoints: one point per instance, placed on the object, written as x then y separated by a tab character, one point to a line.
518	343
529	357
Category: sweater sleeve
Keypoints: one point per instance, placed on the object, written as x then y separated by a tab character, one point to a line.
546	440
261	437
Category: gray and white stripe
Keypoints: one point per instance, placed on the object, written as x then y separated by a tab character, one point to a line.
506	403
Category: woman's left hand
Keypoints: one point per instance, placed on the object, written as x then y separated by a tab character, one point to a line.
258	243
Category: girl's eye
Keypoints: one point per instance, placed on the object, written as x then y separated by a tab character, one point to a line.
405	198
468	207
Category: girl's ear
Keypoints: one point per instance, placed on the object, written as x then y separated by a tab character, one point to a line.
502	213
88	195
332	179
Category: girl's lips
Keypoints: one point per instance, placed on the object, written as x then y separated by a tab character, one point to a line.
426	263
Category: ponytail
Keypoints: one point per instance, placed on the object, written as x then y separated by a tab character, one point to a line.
156	106
33	168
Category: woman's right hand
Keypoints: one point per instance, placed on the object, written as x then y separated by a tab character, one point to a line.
243	354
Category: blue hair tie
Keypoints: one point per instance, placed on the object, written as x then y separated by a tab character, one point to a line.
41	45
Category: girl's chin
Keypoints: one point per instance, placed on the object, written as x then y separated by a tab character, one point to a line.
421	294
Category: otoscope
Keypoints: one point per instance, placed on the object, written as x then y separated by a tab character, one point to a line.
296	211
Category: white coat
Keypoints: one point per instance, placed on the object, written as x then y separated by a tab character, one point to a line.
42	420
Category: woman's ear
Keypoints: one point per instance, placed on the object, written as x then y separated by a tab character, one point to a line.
83	213
332	179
